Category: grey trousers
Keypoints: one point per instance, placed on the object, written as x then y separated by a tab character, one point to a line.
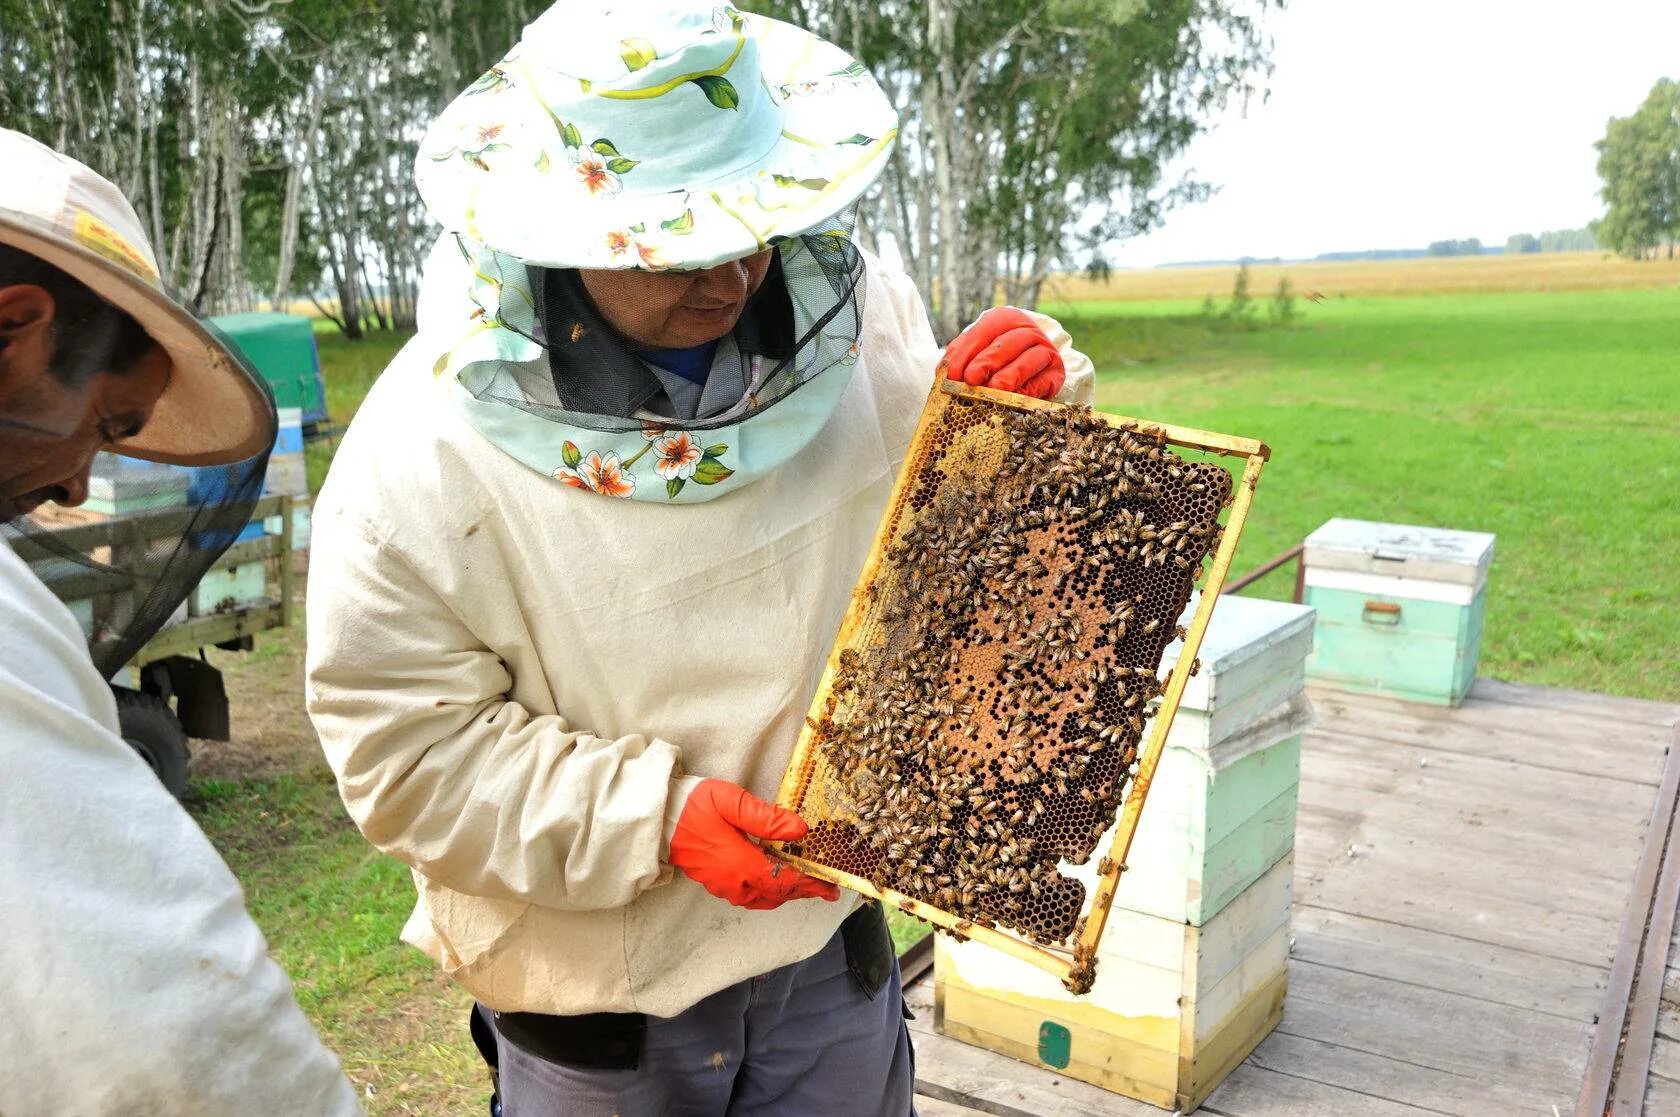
800	1041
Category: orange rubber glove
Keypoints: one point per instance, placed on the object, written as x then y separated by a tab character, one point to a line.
711	845
1005	349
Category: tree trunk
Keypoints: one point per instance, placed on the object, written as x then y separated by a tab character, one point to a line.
939	116
314	97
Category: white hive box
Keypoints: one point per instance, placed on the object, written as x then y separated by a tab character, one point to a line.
1193	962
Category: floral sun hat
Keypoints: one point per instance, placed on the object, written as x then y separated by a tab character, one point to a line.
635	134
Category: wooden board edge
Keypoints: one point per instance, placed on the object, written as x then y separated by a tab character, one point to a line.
1212	1062
1161	725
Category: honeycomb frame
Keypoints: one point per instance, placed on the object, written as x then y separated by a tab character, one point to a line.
1074	965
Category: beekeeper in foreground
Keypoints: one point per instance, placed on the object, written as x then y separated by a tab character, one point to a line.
131	979
584	549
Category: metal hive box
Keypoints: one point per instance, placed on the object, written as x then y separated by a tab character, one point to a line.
982	716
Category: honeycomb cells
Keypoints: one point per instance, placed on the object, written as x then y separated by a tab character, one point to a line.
986	709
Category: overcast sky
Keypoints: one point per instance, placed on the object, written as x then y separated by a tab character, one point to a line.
1393	123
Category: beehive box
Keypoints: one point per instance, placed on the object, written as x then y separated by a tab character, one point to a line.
119	486
982	716
1174	1009
288	475
1400	609
225	588
1192	960
1222	808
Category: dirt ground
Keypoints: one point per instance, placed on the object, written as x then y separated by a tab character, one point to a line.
271	733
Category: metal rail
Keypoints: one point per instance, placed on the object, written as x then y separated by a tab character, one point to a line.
1296	552
1620	1057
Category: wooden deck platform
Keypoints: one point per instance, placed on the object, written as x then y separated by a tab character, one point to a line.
1460	882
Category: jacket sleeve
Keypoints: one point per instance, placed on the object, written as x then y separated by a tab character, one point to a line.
438	766
133	980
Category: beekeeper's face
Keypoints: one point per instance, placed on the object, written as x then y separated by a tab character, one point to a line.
53	420
676	309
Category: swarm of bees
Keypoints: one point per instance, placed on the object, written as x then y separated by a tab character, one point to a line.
983	723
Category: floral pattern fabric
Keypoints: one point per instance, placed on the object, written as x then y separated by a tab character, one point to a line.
641	149
468	289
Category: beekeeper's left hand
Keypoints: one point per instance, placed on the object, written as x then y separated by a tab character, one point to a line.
1005	349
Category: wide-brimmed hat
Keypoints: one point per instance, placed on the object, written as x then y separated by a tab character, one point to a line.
214	411
634	134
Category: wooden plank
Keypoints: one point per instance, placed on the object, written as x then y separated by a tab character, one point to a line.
987	1077
1435	1029
1498	852
1566	726
1254	1091
1641	711
1662	1097
1390	1077
1665	1059
1654	952
185	639
937	1105
1451	963
1618	989
1507	806
1422	770
1434	898
1635	757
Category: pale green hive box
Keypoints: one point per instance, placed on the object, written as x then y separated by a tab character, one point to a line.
1400	608
119	486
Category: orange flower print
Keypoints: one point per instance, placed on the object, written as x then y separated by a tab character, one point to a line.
489	134
676	456
600	473
618	242
592	169
649	255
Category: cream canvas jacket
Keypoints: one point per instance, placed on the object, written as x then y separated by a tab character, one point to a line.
518	683
132	981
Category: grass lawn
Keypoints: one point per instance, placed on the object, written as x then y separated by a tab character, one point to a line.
1552	420
332	908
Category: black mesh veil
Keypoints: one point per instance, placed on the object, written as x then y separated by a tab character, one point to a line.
126	561
806	317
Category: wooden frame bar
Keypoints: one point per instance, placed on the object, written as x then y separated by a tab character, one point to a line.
1075	967
134	529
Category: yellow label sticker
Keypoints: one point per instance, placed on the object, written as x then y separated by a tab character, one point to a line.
95	234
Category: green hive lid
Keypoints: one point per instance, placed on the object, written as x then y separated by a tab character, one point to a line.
282	349
1401	550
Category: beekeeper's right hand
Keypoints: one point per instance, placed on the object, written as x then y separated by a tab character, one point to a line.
1006	350
712	844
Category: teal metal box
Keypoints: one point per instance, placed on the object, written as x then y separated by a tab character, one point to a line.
1400	608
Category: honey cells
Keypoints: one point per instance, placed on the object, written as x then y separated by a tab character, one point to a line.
983	721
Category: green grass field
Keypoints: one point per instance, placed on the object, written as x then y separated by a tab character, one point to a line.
1552	420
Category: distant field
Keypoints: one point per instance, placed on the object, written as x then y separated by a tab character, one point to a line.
1545	271
1552	420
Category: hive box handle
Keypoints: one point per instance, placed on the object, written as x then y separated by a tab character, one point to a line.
1382	612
